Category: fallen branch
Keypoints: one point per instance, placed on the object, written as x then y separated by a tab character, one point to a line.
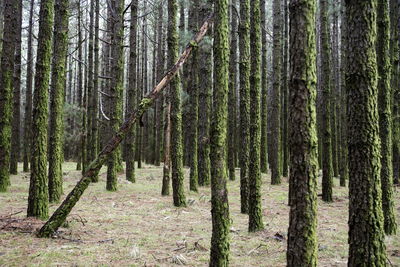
59	216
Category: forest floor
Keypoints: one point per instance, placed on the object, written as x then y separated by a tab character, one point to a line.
136	226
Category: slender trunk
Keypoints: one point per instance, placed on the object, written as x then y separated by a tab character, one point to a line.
264	92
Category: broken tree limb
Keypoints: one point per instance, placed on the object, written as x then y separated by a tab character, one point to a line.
59	216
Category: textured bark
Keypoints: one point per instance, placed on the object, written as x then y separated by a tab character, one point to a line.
255	210
275	156
285	91
16	121
80	95
38	200
327	167
366	232
132	93
205	92
167	137
6	89
193	90
232	113
264	92
59	216
176	113
302	233
116	89
60	49
385	114
244	69
160	73
219	193
28	96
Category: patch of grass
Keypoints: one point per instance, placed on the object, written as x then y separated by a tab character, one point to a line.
136	226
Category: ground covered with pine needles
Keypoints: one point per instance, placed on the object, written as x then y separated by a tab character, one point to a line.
136	226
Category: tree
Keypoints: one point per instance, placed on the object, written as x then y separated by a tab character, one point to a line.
176	113
385	114
6	89
255	211
219	194
327	167
366	232
205	92
244	69
28	102
132	91
117	69
60	49
264	91
284	90
275	157
16	121
302	233
38	200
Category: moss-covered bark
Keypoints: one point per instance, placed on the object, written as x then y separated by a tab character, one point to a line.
167	137
219	193
176	113
193	90
244	70
28	96
38	200
205	92
116	89
16	120
6	89
302	233
132	91
60	49
255	211
264	92
366	231
327	167
275	157
385	114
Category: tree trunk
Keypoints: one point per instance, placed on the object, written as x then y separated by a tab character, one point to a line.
264	92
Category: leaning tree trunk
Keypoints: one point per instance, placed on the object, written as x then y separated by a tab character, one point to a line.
59	216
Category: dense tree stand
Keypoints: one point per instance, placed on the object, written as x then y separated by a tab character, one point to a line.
302	233
59	216
366	232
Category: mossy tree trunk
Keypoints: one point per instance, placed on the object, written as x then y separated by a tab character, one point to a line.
219	193
38	200
327	167
303	142
117	69
232	113
132	91
366	231
244	70
275	156
176	112
385	114
28	96
6	90
60	49
16	120
205	92
255	211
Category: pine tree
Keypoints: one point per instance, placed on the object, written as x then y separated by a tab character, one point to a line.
176	113
38	200
219	194
60	49
244	69
6	89
132	91
366	231
264	91
285	91
302	233
117	65
385	114
275	156
255	211
16	121
327	167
